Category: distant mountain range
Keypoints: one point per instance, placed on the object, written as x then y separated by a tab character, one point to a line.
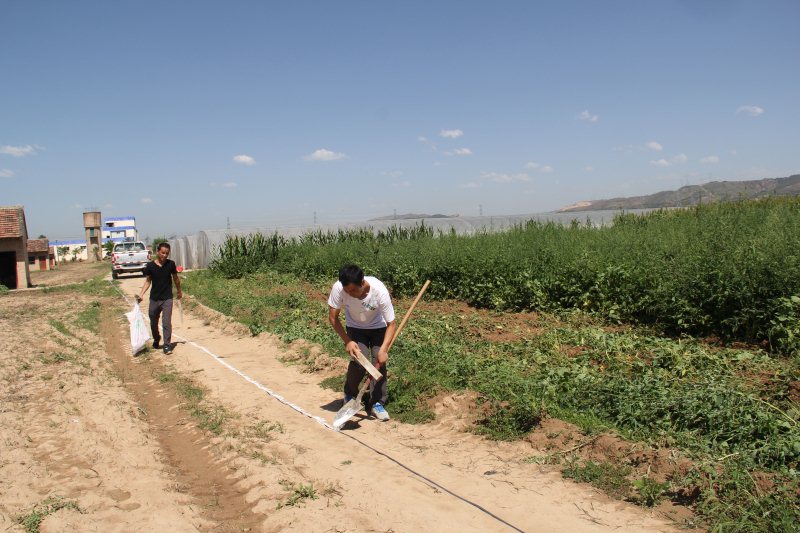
411	216
693	194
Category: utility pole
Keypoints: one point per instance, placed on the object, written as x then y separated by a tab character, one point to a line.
315	218
480	210
395	214
229	223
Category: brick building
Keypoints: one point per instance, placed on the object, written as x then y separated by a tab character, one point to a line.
14	272
41	255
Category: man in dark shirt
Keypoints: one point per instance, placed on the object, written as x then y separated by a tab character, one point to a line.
161	273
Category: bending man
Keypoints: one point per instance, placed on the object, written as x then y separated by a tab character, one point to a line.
369	316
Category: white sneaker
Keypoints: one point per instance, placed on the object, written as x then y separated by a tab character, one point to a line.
379	412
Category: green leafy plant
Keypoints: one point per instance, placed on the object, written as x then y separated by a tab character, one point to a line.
649	491
50	505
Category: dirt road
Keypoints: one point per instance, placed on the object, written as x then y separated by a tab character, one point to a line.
114	440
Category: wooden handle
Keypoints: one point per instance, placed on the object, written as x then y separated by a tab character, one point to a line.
408	313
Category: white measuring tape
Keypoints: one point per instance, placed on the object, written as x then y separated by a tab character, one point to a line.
247	378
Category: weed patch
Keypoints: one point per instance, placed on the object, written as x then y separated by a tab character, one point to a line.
210	417
298	493
52	504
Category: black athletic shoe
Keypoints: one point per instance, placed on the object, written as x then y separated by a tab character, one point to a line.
168	348
156	345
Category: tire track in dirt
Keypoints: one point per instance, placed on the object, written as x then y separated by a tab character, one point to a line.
196	470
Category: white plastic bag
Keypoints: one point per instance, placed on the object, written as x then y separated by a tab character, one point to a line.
139	333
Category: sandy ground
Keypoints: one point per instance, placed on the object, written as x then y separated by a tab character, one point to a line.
68	272
105	431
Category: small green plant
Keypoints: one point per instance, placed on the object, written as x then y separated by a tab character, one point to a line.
649	490
299	493
608	477
264	429
89	318
60	327
56	357
52	504
272	459
209	416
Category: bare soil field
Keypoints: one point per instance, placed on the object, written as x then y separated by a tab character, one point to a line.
69	272
92	439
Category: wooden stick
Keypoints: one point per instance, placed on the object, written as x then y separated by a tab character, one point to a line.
408	313
368	366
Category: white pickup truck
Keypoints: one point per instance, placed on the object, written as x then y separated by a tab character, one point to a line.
129	257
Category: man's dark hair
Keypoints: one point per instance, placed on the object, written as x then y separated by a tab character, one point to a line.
351	275
163	245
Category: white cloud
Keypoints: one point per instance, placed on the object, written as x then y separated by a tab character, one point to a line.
471	185
626	148
588	168
752	110
710	159
653	145
504	178
402	184
545	169
428	142
243	159
459	151
18	151
229	184
108	206
147	200
585	115
5	173
734	152
452	134
392	174
675	160
325	155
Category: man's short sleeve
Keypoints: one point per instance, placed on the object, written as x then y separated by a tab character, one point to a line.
335	298
387	309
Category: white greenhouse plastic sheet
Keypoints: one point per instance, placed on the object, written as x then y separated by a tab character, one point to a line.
197	251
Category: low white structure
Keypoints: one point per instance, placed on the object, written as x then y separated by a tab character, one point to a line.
70	250
198	250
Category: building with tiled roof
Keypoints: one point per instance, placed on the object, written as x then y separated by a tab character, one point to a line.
40	254
14	273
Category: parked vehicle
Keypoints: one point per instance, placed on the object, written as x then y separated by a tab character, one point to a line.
129	257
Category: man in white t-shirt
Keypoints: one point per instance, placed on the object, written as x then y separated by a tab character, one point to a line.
369	317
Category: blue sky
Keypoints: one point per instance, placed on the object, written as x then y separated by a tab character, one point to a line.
185	114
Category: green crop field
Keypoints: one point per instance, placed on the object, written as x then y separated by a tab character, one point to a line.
677	329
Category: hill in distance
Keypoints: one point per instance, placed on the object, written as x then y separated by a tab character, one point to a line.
411	216
714	191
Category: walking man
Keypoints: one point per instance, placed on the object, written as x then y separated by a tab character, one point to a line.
370	321
161	273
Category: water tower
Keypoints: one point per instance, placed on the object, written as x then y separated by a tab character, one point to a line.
94	235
